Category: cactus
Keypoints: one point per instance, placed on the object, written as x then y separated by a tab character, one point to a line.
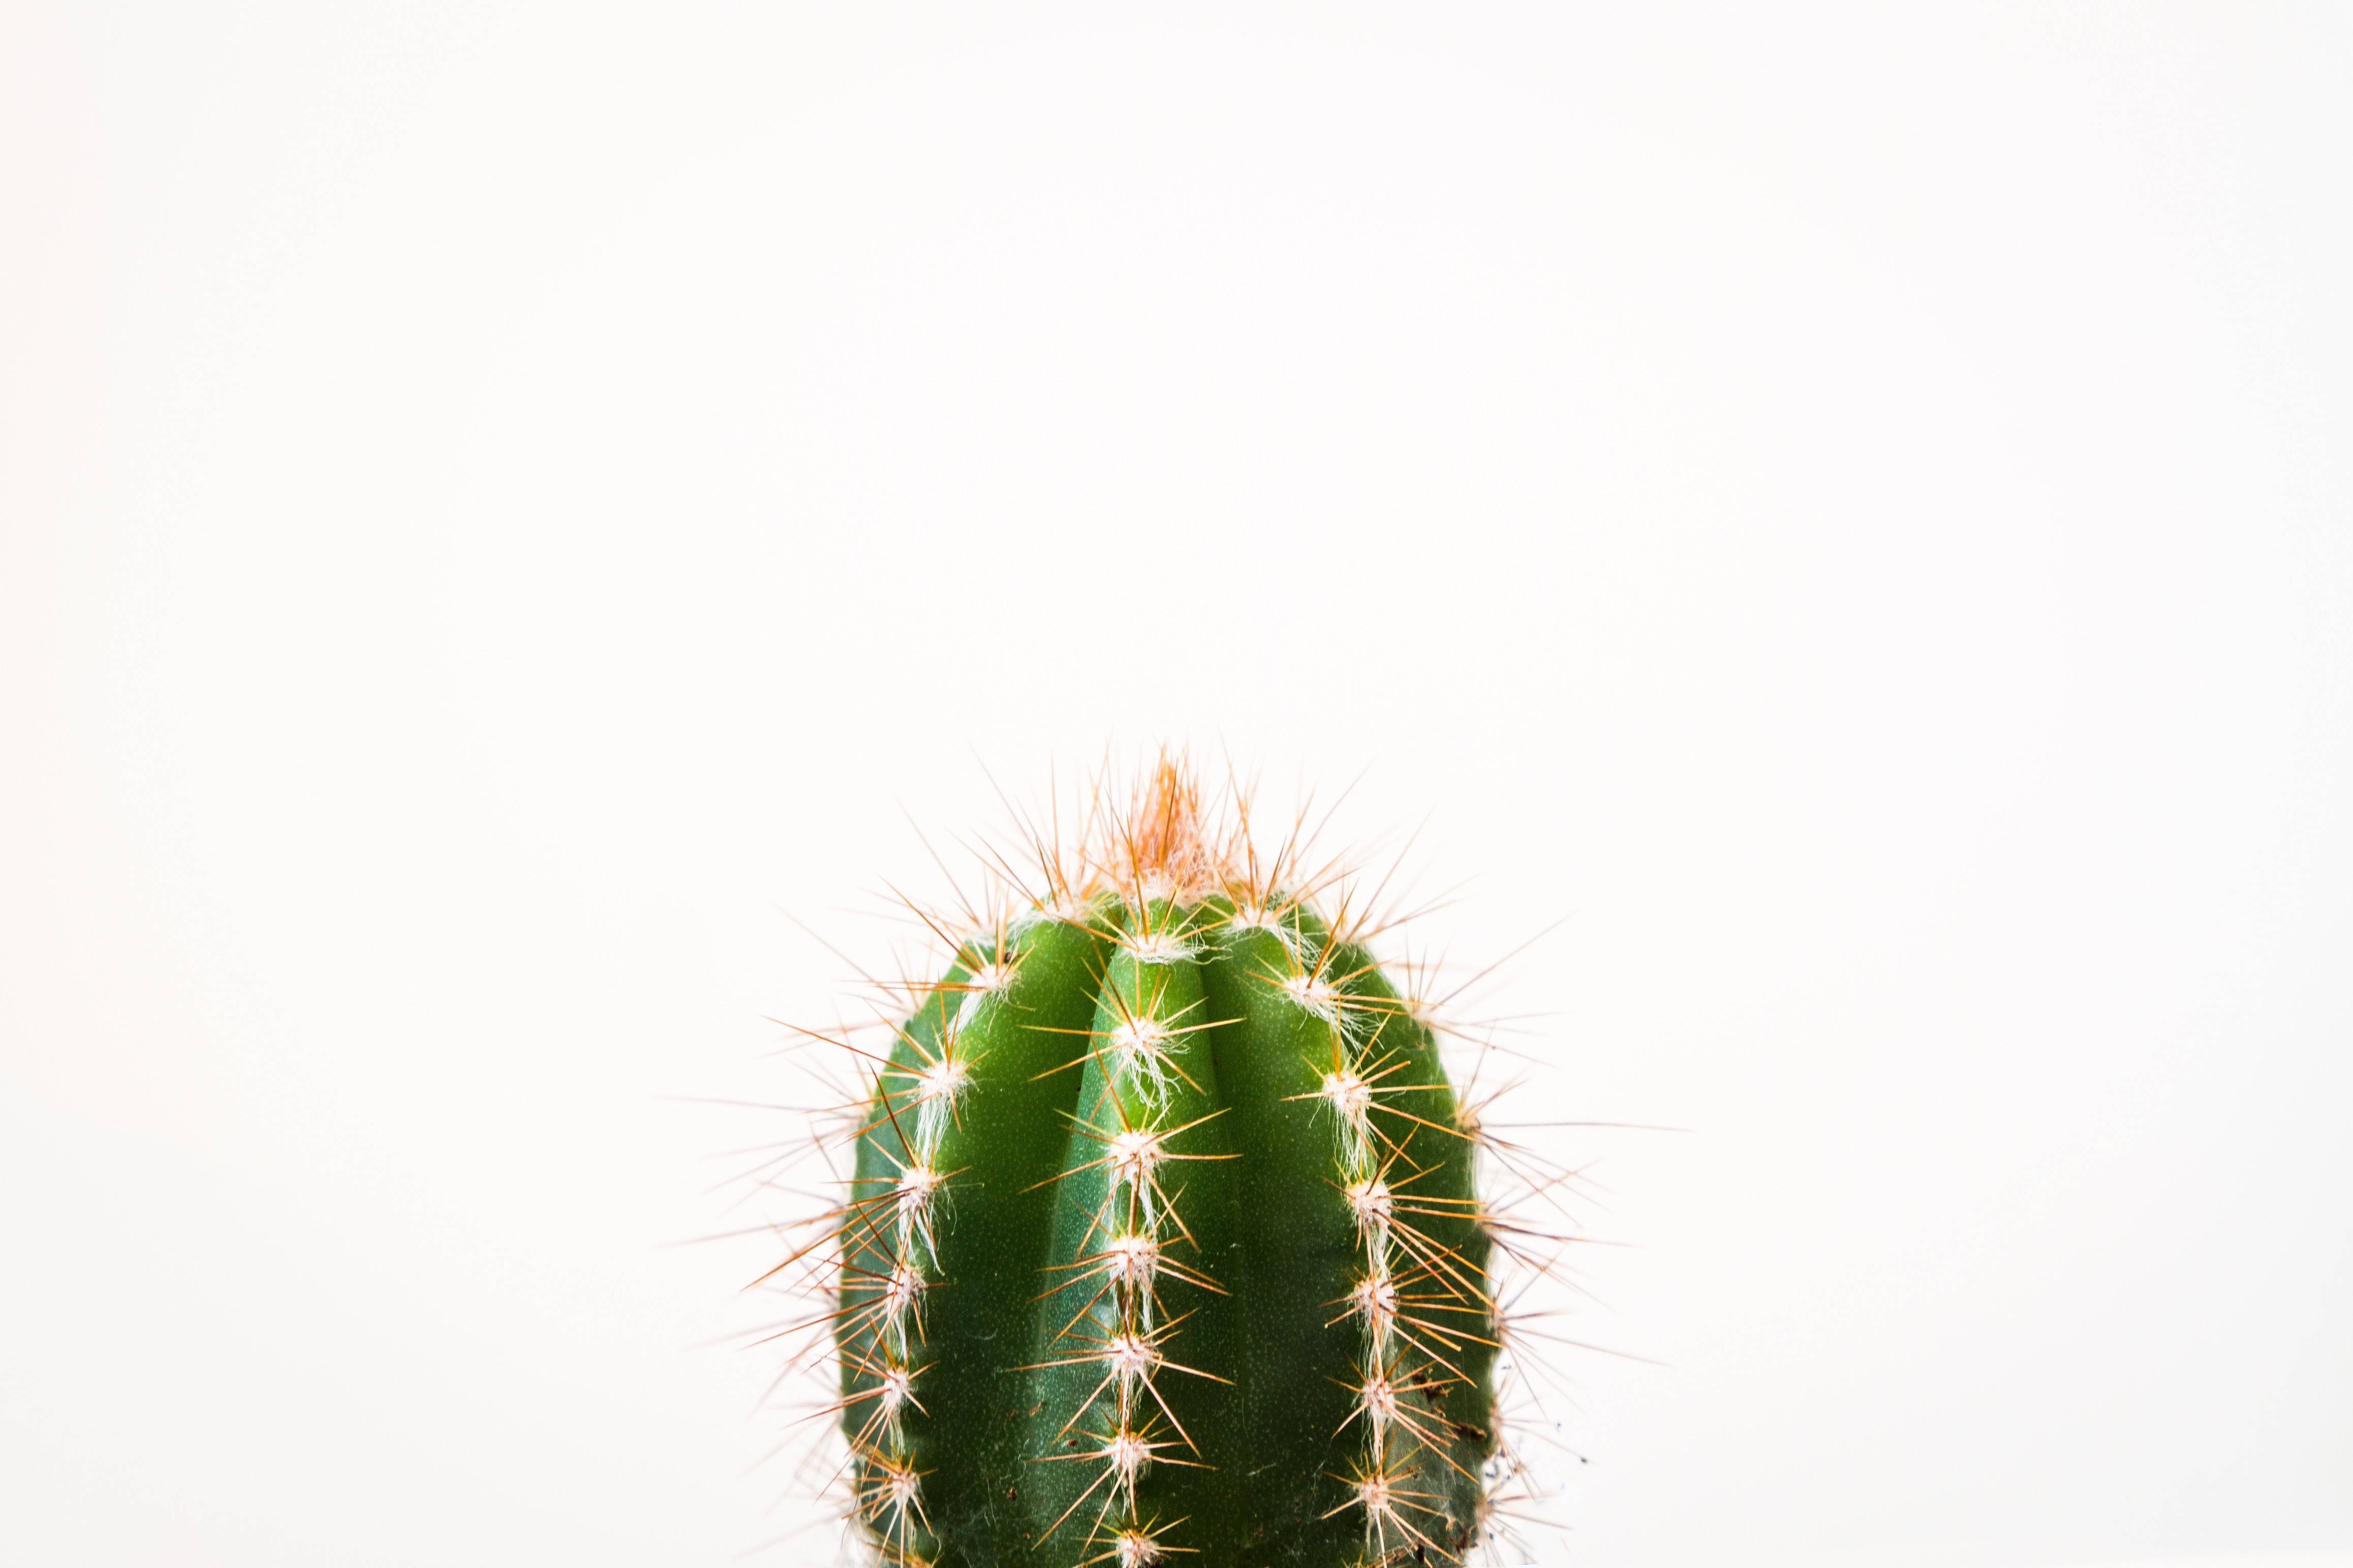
1162	1241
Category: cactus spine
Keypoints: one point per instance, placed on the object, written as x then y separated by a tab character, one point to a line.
1163	1242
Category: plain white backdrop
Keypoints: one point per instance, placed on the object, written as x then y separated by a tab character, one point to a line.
505	501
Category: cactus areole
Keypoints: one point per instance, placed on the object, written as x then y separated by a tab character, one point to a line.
1163	1243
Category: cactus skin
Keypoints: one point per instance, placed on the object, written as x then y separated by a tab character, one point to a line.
1163	1243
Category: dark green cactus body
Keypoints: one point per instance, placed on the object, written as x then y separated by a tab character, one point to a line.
1164	1238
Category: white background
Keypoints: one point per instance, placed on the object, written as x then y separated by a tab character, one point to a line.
1851	505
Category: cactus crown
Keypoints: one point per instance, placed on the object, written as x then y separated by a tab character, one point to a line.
1162	1236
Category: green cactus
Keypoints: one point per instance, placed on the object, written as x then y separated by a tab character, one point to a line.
1163	1242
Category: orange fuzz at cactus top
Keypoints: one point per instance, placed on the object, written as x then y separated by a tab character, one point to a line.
1164	1238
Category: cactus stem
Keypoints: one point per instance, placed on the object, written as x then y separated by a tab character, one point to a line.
1199	1342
